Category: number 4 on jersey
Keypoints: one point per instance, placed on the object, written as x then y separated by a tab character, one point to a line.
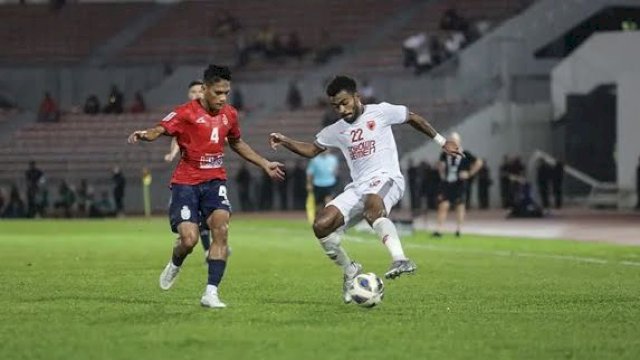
214	135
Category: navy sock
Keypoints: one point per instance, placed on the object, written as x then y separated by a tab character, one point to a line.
216	270
177	260
205	239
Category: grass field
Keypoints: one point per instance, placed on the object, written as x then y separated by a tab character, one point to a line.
88	290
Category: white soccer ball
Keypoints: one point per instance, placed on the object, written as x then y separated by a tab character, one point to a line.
367	290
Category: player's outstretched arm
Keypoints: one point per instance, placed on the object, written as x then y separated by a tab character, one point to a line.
305	149
173	151
146	135
273	168
421	124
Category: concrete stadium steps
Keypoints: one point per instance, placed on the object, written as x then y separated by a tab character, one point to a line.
386	56
179	38
37	34
82	146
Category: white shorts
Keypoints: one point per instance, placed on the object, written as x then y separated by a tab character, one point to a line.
351	201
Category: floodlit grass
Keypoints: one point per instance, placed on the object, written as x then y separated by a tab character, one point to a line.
89	290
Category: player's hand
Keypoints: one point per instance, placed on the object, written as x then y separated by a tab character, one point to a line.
275	170
168	157
452	148
136	136
275	139
464	175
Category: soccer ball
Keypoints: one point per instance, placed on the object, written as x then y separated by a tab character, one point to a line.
367	290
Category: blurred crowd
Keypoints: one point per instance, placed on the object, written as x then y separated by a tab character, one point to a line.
423	51
68	201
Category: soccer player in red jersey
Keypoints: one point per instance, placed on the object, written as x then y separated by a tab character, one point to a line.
198	185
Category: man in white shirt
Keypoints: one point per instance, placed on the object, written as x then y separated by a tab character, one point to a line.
364	136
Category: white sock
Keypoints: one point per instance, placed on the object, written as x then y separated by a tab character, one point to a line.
333	249
211	289
389	236
173	266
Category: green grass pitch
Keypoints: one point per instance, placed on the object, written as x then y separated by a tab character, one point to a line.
89	290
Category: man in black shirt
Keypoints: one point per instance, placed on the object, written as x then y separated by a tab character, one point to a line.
454	173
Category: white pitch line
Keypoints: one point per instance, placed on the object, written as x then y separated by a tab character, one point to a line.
581	259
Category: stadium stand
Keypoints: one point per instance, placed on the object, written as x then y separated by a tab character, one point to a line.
37	34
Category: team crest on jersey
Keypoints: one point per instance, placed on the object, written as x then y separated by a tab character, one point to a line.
185	213
224	120
201	120
371	125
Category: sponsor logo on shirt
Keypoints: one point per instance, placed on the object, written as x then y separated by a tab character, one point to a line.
201	120
211	161
362	149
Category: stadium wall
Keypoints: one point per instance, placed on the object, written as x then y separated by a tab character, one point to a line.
497	130
70	86
607	58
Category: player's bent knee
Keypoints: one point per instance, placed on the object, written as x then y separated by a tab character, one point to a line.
322	226
219	233
189	240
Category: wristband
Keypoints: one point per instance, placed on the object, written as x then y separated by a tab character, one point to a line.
439	139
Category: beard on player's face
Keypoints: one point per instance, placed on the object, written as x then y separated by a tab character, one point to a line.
350	109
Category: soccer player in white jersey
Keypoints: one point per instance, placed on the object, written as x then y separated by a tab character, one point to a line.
364	136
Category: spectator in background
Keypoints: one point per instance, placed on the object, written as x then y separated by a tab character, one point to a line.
48	111
85	196
451	20
293	46
225	24
15	207
103	207
504	181
115	102
41	200
66	199
411	47
414	187
299	176
283	193
266	193
638	185
33	176
543	179
367	93
557	179
119	183
294	97
3	201
243	179
92	105
484	183
326	49
138	105
237	99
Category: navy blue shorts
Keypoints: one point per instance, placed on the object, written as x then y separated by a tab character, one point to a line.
194	203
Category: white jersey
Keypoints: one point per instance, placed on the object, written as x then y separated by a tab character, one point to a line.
368	144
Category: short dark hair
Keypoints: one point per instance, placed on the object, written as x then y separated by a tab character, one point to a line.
194	83
340	83
215	73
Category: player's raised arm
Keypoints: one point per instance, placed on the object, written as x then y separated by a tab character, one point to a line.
421	124
273	168
149	134
301	148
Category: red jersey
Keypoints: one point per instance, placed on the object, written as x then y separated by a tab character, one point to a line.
201	138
